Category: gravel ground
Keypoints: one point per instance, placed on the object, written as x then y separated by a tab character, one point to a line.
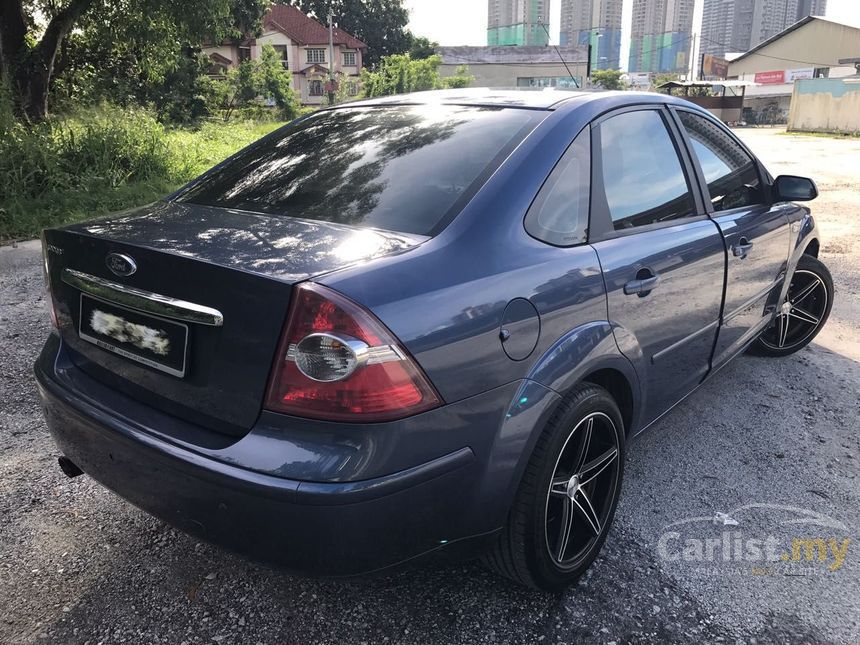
767	442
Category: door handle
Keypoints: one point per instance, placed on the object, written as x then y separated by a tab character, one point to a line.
742	248
642	286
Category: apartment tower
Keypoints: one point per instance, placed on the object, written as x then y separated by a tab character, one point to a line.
595	22
517	22
740	25
660	35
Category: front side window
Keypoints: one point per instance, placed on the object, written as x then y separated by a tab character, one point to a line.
316	55
731	174
642	173
400	168
349	59
315	88
559	214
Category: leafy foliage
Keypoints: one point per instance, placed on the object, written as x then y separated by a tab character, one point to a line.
461	78
253	80
399	74
124	51
422	47
660	79
100	160
608	79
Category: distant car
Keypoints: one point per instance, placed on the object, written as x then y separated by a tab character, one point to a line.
422	325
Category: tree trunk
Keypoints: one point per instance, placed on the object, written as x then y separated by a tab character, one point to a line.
30	70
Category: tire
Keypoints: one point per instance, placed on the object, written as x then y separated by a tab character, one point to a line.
527	550
810	297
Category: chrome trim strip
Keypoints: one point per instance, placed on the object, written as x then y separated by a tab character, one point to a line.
145	301
367	355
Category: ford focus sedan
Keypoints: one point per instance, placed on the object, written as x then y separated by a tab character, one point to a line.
422	326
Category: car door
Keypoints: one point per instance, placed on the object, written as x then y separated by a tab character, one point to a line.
662	257
757	233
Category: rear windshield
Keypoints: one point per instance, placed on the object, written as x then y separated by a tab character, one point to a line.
403	168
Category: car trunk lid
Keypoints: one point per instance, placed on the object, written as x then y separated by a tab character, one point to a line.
193	328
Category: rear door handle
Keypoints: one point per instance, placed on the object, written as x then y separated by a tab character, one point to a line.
742	248
641	286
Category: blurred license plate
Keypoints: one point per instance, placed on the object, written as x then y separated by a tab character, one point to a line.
156	342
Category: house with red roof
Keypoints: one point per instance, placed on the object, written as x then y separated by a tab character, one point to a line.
303	44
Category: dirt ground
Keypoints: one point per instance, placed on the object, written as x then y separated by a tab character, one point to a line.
767	451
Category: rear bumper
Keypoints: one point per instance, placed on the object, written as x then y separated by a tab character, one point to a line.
331	528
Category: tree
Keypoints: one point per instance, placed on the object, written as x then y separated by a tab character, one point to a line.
608	79
159	28
422	47
380	24
253	80
660	79
399	74
274	83
461	78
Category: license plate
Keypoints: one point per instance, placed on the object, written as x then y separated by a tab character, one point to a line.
156	342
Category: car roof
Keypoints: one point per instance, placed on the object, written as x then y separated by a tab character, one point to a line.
525	97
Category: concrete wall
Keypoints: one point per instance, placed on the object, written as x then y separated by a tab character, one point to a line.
825	105
506	74
766	110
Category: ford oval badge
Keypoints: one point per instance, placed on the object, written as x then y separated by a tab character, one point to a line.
120	264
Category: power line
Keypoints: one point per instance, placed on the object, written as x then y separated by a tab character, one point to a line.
649	51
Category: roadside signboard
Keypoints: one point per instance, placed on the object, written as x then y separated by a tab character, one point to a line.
792	75
714	67
770	78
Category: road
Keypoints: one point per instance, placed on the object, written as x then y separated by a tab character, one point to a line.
769	443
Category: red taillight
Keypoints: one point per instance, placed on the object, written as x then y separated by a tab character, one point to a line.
337	362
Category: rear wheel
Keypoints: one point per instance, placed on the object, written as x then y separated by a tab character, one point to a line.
804	312
568	494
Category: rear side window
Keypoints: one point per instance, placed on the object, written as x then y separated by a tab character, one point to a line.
400	168
730	173
559	214
642	174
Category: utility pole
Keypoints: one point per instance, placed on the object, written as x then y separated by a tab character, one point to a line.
330	60
692	71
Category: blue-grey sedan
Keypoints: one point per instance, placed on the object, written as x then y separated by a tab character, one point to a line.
422	326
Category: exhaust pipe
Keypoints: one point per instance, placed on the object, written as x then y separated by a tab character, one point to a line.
68	467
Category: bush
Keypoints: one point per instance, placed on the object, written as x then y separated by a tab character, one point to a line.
109	145
87	164
400	74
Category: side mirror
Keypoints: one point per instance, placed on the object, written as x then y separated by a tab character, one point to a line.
788	188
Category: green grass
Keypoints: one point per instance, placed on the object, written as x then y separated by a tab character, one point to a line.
89	165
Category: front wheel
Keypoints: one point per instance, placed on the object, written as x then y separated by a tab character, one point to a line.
804	312
567	496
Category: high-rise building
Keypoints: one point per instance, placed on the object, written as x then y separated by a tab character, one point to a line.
660	35
810	8
595	22
517	22
740	25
